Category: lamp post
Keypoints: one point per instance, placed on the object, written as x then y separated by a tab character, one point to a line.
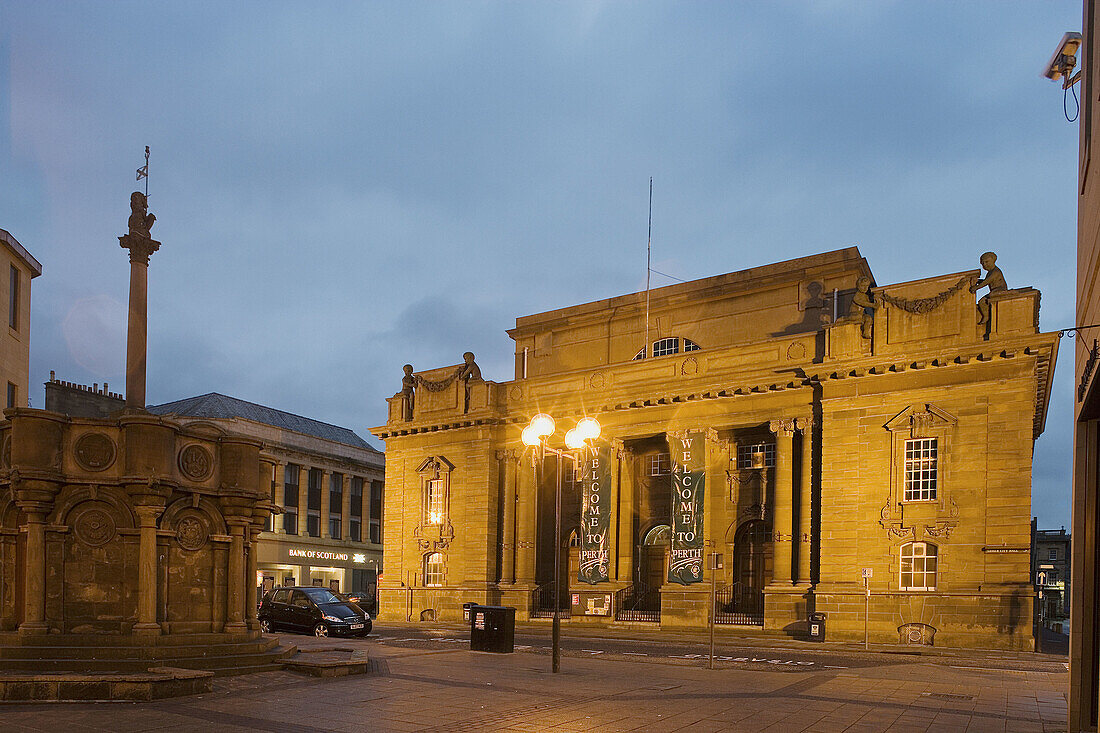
536	435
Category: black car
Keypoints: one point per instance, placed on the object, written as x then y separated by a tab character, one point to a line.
312	610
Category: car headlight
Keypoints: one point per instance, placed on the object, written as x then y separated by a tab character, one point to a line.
326	617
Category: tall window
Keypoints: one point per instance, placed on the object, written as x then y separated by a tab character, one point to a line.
313	503
376	512
920	469
435	501
13	394
745	454
918	566
13	300
433	569
335	504
290	498
355	526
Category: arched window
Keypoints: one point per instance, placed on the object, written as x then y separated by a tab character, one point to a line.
918	566
433	570
666	346
659	535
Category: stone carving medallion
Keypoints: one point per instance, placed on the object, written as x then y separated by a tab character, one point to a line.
94	451
597	380
191	533
195	462
796	351
689	367
95	527
515	393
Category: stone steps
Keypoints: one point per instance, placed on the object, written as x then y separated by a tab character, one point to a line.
222	660
133	651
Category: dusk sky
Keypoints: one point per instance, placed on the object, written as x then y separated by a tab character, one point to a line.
343	188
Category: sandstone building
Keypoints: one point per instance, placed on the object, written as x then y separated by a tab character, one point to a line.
889	445
328	482
15	345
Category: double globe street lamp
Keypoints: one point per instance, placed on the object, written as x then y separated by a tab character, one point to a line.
537	435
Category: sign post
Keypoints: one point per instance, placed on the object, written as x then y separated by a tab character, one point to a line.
715	566
867	573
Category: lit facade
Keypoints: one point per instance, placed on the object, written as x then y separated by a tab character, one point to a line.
17	269
856	439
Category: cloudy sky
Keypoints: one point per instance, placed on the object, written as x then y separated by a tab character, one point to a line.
342	188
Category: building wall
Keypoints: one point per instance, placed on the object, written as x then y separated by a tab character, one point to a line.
838	408
15	342
1084	694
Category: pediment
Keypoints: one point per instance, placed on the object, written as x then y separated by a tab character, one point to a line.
921	417
434	464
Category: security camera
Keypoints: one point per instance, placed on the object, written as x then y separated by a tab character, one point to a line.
1064	59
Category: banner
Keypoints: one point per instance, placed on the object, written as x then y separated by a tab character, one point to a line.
595	532
688	451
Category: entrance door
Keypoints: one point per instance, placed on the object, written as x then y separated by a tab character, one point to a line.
749	567
655	556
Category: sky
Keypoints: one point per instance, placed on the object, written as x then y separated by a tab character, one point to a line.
341	188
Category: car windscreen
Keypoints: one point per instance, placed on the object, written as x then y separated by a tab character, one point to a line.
322	595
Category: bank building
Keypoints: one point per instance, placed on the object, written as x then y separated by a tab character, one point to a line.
856	450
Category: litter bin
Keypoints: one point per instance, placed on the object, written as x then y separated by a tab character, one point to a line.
492	629
816	623
466	611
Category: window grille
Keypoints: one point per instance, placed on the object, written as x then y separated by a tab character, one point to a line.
659	464
745	452
435	501
664	347
433	570
918	566
921	467
690	345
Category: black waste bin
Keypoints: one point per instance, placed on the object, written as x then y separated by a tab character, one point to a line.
816	624
493	629
466	611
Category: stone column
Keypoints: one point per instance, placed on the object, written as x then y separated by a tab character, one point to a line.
252	572
525	535
34	574
137	324
626	539
147	571
508	517
280	482
345	509
783	505
326	477
714	487
235	597
805	424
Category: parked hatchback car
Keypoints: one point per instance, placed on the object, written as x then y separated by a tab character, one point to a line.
313	610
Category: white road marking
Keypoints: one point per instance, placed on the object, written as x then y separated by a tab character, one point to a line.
637	654
593	651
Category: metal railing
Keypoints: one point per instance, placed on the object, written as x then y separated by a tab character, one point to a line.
638	603
542	602
737	605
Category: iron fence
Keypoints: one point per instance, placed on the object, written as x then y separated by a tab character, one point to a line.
542	602
638	603
737	605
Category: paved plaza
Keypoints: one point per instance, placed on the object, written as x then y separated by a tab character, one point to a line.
449	688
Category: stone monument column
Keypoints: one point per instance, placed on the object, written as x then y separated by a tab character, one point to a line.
147	571
783	510
251	575
527	492
234	604
141	246
805	424
626	540
34	574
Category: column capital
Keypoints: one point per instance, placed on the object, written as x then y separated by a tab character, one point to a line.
507	454
148	512
804	423
782	426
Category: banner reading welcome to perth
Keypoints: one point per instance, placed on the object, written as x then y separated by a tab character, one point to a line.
685	564
595	517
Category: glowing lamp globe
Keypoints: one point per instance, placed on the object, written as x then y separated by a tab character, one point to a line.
589	428
574	440
543	425
529	437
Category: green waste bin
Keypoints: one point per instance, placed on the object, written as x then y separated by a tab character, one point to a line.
493	629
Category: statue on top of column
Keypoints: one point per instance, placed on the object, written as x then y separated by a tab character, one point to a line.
863	306
408	390
140	221
468	372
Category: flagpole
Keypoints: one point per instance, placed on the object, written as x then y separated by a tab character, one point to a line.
648	268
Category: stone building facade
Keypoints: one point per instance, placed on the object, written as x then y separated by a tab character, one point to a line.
858	440
15	344
1050	572
328	484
